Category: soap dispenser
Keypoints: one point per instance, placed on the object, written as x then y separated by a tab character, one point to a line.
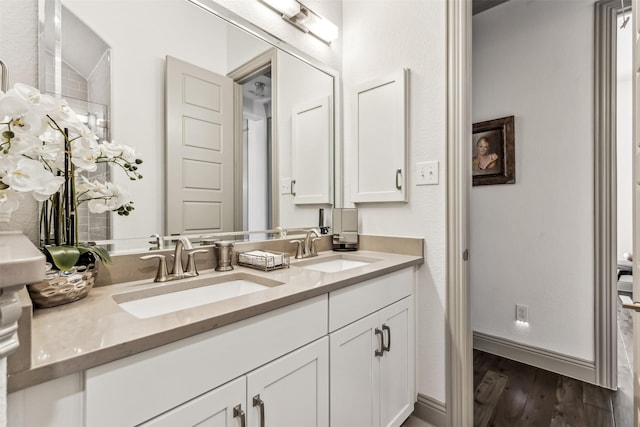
223	250
345	229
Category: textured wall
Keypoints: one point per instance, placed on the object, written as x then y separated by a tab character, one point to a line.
19	50
381	37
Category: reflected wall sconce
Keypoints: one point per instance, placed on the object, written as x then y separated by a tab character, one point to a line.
304	19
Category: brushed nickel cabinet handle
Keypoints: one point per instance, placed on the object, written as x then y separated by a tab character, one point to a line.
380	351
293	187
258	402
239	413
398	183
387	347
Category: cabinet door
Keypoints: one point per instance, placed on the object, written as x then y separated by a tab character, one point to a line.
222	407
379	150
397	388
354	374
292	391
312	166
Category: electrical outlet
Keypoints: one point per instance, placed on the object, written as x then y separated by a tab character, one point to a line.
522	313
427	173
285	186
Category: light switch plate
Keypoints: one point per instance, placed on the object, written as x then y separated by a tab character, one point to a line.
285	186
427	173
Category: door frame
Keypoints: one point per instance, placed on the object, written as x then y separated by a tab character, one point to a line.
459	345
459	382
605	192
240	75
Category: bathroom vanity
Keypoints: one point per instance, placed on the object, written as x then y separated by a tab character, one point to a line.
328	341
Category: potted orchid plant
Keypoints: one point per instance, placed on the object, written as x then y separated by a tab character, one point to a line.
46	153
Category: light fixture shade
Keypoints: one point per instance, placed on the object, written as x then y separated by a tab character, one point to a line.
321	27
288	8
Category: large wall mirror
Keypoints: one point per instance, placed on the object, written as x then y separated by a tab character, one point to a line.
236	130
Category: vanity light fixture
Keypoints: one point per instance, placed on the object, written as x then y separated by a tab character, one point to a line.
288	8
304	19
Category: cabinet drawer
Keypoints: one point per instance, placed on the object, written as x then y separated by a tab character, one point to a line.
147	384
355	302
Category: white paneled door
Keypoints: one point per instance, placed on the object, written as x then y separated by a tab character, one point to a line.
199	150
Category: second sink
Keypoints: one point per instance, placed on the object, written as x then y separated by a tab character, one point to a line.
335	263
176	296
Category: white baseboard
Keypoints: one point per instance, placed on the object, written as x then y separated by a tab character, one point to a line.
430	410
573	367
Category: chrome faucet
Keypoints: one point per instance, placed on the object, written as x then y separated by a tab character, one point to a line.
307	248
183	244
310	242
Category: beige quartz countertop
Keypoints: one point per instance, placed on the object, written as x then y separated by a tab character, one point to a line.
93	331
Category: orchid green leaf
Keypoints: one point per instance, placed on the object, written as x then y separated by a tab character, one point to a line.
63	257
98	251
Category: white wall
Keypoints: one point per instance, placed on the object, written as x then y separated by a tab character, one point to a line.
624	144
382	37
532	241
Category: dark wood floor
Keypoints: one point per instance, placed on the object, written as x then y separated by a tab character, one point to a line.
508	393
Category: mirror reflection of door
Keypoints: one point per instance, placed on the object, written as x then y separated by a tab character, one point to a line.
199	150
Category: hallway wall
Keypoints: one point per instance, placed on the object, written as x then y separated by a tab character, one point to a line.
532	241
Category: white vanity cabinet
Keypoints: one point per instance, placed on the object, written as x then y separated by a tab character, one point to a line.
223	407
190	378
373	358
343	359
290	391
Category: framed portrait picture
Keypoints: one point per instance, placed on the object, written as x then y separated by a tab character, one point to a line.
493	152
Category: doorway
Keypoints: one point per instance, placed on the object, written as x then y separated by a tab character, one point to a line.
257	147
256	194
597	348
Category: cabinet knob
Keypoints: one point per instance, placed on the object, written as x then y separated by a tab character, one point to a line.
239	413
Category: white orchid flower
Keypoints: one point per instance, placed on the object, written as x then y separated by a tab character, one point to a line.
110	149
24	142
27	93
52	153
84	153
37	132
30	176
12	106
63	114
106	197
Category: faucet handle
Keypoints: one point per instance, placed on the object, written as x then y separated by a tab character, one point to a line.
312	250
161	274
298	248
158	241
192	269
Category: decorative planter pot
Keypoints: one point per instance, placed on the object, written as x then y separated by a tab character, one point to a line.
62	287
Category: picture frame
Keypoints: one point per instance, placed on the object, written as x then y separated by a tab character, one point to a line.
493	152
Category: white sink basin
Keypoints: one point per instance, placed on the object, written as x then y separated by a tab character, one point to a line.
335	263
176	296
